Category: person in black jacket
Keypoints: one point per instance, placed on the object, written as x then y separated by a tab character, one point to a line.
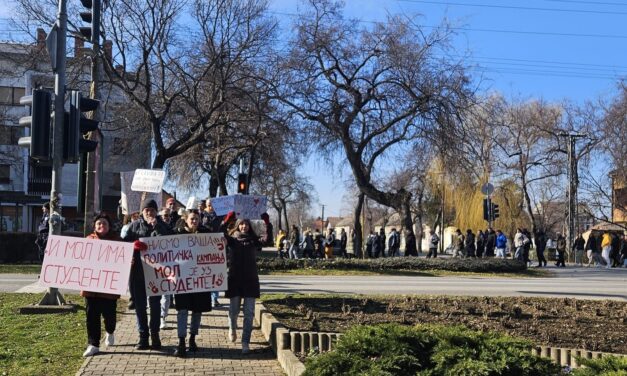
579	246
540	242
197	302
343	243
469	243
42	231
490	243
480	243
243	278
147	225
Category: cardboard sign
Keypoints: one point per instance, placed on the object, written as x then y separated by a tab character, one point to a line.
148	180
182	264
131	201
244	206
191	203
86	264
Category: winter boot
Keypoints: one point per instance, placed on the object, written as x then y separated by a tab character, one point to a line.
180	350
142	344
192	343
156	341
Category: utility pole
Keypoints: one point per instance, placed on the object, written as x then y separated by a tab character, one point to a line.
573	183
322	219
53	297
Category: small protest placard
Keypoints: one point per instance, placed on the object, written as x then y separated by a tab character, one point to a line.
182	264
86	264
131	201
191	203
148	180
244	206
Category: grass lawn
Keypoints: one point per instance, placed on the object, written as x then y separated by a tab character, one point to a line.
20	268
45	344
529	273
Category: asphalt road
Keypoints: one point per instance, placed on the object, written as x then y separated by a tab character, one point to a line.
584	283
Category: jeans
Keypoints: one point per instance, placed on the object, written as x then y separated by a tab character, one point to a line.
181	323
95	307
249	313
579	257
605	253
520	254
293	252
141	303
433	252
165	305
500	252
214	297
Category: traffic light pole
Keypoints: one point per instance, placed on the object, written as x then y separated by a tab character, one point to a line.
53	296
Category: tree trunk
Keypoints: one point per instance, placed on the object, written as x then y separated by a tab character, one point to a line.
419	230
213	184
284	207
357	228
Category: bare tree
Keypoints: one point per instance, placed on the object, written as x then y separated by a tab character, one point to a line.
367	91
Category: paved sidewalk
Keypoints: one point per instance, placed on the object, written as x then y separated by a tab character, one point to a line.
216	355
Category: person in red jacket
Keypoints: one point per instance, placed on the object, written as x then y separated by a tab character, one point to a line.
99	304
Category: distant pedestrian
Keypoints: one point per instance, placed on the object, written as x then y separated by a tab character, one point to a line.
623	251
579	245
615	251
469	243
606	248
481	238
490	243
526	247
294	241
329	244
382	243
318	244
520	240
560	247
343	243
434	240
459	244
593	249
308	245
410	243
394	243
370	244
540	242
280	245
43	230
98	304
500	244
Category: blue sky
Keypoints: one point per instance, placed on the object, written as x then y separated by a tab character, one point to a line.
551	49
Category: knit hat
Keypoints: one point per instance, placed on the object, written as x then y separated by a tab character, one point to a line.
149	203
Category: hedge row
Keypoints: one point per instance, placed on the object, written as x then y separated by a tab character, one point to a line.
18	247
490	265
393	349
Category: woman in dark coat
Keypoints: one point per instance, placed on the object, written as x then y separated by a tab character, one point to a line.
197	302
243	279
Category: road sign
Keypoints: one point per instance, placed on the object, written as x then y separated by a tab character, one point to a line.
487	189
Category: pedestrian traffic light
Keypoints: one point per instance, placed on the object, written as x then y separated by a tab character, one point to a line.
486	209
242	183
76	126
92	16
39	122
495	211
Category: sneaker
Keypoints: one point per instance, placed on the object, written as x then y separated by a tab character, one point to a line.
163	324
91	350
109	339
142	344
216	304
245	348
232	335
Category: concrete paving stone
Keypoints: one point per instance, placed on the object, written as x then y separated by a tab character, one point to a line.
216	356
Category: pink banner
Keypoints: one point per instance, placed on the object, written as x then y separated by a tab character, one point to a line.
86	264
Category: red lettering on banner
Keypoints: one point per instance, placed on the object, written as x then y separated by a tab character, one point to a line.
209	258
52	247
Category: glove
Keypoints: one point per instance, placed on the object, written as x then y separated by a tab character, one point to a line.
266	218
230	217
139	246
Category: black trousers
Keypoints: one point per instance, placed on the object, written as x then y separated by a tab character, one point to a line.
560	258
541	258
95	308
433	252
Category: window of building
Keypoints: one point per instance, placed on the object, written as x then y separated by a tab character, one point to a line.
11	95
9	135
5	174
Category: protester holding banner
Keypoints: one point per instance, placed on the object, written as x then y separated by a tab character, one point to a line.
147	225
243	278
197	302
99	304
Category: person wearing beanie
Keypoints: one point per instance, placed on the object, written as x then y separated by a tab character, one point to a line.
99	304
149	224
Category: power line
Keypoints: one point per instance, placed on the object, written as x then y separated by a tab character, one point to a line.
517	7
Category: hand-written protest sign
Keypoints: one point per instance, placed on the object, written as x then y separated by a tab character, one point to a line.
148	180
131	201
191	203
182	264
244	206
86	264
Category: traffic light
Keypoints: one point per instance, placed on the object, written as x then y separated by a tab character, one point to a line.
76	126
92	16
495	211
486	209
39	122
242	183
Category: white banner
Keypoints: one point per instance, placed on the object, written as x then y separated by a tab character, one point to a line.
86	264
191	203
148	180
244	206
182	264
131	201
